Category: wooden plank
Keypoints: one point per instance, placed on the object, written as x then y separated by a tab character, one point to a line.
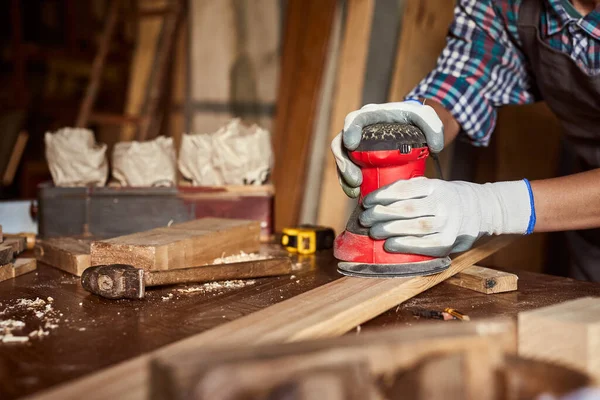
98	65
308	29
337	307
19	267
15	158
6	254
184	245
177	370
347	98
132	379
566	333
485	280
68	254
17	243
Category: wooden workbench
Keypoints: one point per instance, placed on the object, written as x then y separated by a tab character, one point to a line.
94	333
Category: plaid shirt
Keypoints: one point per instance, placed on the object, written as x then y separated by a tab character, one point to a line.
483	66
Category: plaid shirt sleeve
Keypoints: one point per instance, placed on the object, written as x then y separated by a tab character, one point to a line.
481	67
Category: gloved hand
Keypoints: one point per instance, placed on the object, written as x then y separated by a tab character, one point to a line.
408	112
435	218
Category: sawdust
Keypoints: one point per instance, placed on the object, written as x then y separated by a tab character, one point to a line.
167	297
40	315
214	286
240	258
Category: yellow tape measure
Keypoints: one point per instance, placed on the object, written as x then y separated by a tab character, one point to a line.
307	239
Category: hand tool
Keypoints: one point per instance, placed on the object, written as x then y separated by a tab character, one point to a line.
121	281
307	239
387	152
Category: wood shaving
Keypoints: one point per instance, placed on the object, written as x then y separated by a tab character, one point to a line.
30	310
214	286
240	258
167	297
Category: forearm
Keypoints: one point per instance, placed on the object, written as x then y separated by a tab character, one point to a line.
567	203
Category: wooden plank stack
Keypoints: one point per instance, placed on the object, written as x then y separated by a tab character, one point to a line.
11	247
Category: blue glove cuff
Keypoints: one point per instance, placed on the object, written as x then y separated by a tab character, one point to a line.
413	101
532	218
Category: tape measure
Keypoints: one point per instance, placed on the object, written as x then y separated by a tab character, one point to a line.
307	239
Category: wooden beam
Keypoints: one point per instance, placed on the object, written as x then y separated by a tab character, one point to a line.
6	254
347	98
183	245
308	27
566	333
17	243
19	267
98	65
68	254
485	280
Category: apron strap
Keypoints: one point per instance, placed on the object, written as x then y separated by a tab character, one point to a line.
529	13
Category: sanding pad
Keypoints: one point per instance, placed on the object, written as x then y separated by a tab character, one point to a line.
423	268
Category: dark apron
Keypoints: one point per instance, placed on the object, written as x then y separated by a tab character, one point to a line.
574	96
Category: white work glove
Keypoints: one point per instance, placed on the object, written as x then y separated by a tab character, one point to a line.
407	112
434	218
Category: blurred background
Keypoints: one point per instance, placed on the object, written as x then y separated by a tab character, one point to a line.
139	69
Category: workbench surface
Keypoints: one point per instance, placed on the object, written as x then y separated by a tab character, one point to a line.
92	333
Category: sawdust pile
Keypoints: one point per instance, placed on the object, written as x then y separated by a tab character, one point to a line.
214	286
241	258
40	315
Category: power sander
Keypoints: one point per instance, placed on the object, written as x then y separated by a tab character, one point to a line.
387	152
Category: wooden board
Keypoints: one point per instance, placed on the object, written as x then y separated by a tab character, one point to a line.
15	158
184	245
69	254
17	243
308	28
6	254
347	98
337	307
19	267
259	369
485	280
567	333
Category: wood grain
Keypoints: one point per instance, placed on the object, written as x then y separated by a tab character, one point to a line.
347	98
184	245
69	254
19	267
567	333
485	280
308	28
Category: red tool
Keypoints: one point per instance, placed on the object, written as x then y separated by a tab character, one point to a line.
386	154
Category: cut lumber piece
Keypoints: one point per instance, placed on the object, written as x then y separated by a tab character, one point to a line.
333	210
566	333
337	311
184	245
15	159
69	254
485	280
19	267
383	352
17	243
308	28
6	254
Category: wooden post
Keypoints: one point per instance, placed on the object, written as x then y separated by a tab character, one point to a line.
98	65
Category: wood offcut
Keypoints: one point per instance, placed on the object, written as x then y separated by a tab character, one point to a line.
485	280
19	267
69	254
183	245
566	333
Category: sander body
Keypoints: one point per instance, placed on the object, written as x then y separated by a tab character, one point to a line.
387	153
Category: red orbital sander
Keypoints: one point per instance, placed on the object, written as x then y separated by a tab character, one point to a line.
386	154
